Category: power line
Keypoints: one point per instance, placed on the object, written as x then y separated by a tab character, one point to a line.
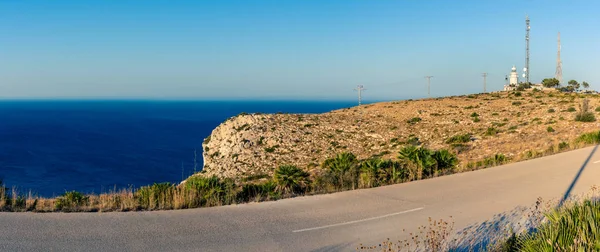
359	88
428	85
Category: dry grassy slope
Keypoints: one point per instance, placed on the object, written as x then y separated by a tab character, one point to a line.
240	146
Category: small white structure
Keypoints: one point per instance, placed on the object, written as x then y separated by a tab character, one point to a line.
513	80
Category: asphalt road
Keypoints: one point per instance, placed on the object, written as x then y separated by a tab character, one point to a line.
334	222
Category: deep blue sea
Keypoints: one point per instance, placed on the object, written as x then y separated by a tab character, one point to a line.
50	147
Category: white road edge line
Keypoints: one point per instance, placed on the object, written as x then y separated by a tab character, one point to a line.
357	221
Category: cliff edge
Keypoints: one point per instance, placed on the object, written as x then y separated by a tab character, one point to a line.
510	123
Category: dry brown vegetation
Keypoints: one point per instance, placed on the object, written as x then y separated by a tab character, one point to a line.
517	125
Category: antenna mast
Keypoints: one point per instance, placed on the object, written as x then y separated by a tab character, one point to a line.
428	85
526	71
484	81
359	88
559	63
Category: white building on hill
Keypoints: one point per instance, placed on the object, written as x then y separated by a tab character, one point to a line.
513	80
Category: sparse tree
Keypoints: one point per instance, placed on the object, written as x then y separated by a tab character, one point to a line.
550	82
574	84
585	85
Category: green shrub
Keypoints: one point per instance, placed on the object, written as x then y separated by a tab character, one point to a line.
271	149
589	138
344	169
491	131
516	103
585	117
571	109
258	192
563	145
290	179
462	138
476	119
497	159
414	120
474	114
158	195
550	129
570	228
551	110
70	201
597	109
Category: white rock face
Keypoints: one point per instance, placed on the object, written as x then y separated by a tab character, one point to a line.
255	144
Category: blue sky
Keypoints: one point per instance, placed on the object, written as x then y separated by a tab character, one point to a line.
285	49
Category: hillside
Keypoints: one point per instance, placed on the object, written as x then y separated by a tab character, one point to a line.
518	125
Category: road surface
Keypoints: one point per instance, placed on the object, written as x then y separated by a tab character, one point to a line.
333	222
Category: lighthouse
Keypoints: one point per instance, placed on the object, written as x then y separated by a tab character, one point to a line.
514	77
513	81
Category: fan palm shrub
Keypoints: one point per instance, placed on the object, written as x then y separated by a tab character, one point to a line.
290	179
420	159
571	228
344	167
445	160
370	172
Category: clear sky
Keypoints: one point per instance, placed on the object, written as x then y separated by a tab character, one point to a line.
286	49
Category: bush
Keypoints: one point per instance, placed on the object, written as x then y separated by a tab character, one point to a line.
589	138
271	149
491	131
464	138
474	114
414	120
258	192
572	228
344	169
290	179
563	145
550	129
516	103
157	196
70	201
585	117
497	159
476	119
551	110
571	109
597	109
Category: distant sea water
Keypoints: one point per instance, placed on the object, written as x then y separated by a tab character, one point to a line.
50	147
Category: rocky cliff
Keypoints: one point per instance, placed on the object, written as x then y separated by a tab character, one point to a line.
507	123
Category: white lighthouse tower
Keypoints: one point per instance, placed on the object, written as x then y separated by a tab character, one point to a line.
514	77
513	80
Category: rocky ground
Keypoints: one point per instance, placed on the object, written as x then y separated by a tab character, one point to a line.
510	123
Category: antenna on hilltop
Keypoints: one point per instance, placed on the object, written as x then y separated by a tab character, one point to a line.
484	81
526	71
558	63
428	85
359	88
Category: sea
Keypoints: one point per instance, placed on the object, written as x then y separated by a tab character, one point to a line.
48	147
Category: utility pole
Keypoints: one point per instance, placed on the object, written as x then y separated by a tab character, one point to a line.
428	85
359	88
527	71
484	82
